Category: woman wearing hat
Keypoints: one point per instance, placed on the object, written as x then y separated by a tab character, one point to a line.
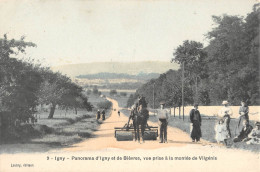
243	115
225	113
195	119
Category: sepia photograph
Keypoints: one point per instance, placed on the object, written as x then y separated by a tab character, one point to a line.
129	85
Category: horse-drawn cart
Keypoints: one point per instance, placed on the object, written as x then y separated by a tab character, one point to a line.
127	133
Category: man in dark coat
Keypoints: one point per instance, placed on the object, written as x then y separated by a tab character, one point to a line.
244	132
195	120
133	115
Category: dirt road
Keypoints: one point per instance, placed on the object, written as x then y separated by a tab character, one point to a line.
104	137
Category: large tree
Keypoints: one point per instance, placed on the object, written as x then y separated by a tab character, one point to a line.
233	58
58	89
191	56
227	69
19	80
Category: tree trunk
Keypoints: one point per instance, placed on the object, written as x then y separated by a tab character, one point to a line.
66	111
174	112
52	111
180	112
76	111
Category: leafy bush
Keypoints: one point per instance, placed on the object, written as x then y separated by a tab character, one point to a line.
113	92
104	105
123	94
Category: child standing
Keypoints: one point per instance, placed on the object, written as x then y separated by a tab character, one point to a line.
221	132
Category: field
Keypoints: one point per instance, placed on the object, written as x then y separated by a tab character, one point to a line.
208	130
65	129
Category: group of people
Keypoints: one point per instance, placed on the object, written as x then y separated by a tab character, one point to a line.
140	108
222	129
101	115
223	133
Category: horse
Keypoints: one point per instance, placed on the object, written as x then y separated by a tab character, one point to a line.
141	120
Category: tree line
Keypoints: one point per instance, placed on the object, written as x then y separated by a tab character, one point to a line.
25	85
226	69
106	75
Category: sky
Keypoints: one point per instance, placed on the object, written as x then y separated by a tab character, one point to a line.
83	31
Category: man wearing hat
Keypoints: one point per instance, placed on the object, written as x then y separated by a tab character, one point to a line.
225	113
195	119
163	122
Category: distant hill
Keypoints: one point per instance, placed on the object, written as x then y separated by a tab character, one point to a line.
140	76
131	68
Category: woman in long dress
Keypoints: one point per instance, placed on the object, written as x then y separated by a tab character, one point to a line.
195	119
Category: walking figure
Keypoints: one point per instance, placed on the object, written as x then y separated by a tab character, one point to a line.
118	113
103	115
98	114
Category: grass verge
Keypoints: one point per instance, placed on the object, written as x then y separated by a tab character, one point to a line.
208	130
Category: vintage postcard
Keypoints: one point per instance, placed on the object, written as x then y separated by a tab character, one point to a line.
129	85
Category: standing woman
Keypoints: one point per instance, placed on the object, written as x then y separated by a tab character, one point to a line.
243	115
195	119
243	111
